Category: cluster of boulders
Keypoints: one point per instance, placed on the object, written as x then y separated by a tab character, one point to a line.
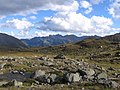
74	71
42	77
72	77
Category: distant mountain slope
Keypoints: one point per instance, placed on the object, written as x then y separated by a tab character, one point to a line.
114	38
53	40
93	42
92	45
7	41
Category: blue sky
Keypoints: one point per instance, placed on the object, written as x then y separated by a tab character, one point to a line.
34	18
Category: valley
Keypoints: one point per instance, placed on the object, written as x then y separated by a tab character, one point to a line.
59	44
90	64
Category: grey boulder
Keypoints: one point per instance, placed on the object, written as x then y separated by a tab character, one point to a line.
72	77
38	73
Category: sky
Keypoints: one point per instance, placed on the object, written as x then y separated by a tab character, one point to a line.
38	18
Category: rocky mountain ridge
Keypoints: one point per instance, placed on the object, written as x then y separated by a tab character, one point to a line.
53	40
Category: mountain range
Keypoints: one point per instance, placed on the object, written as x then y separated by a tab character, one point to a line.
53	40
7	41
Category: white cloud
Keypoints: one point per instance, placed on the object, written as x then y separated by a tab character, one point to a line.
67	7
19	24
89	10
102	25
47	33
86	5
12	33
33	17
66	20
101	20
22	25
114	9
24	7
73	22
43	33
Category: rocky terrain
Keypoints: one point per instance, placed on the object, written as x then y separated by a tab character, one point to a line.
55	73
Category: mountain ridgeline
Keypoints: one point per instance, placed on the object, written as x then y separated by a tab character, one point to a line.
53	40
113	38
7	41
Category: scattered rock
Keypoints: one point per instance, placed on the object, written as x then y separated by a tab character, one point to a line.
43	58
38	73
15	72
114	84
49	79
72	77
110	68
2	65
42	79
102	75
3	83
117	54
104	82
60	56
87	74
52	79
90	72
109	83
14	83
48	63
82	73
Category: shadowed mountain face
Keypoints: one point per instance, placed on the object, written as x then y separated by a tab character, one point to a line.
53	40
7	41
113	38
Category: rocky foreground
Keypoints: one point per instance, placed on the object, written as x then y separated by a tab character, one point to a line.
54	73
